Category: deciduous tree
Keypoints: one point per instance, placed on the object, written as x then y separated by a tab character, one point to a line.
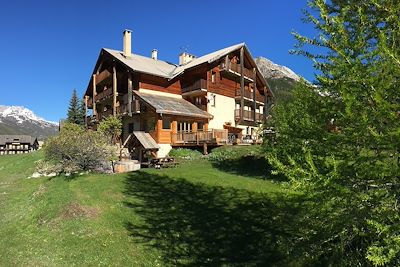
339	140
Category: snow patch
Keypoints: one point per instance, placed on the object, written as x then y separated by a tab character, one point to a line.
22	114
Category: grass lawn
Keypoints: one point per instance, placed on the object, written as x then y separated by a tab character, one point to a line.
200	213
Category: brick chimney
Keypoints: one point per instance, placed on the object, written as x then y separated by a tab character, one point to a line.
127	43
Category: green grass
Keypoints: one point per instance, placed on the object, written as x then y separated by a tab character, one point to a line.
197	214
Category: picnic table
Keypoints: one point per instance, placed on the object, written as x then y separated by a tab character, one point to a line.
165	162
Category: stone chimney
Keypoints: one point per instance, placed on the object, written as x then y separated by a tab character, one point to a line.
185	58
154	54
127	44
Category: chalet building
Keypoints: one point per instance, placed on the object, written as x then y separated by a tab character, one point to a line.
17	144
215	99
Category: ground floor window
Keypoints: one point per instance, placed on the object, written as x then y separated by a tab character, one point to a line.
166	123
184	126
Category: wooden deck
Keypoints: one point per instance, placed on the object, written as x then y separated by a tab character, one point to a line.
210	137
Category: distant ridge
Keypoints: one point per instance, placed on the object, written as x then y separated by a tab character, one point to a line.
20	120
280	78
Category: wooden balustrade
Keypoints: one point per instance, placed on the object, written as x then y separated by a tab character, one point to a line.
135	108
103	94
196	85
249	95
104	114
247	115
236	68
212	136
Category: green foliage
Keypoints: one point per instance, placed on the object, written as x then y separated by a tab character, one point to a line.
185	153
232	152
339	141
111	127
76	110
76	149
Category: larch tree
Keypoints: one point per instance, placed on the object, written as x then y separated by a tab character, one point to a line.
339	140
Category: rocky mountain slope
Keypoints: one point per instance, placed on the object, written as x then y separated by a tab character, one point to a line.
20	120
280	78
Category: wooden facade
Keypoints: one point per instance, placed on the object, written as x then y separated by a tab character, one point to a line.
17	144
114	83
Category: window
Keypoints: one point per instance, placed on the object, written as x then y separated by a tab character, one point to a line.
212	100
166	123
200	126
131	127
184	126
213	74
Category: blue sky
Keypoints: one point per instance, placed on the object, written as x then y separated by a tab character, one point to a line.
50	47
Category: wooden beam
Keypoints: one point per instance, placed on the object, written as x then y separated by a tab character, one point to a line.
102	76
254	95
99	67
94	95
115	94
86	109
130	93
241	85
265	103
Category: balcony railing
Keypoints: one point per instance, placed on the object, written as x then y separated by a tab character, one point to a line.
103	94
249	95
90	102
236	68
104	114
196	85
248	115
212	136
135	108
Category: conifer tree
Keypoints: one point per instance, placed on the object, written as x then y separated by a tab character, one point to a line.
339	141
76	110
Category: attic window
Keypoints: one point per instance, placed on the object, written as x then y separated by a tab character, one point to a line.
213	74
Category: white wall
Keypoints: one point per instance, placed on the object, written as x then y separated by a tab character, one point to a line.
224	111
164	150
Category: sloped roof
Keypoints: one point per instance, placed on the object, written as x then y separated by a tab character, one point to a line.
172	105
209	58
4	139
144	64
146	140
164	69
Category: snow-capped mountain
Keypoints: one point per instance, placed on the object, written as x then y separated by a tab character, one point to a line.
275	71
280	78
20	120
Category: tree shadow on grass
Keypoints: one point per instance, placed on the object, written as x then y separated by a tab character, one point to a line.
250	166
200	225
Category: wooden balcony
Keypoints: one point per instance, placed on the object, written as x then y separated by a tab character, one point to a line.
248	115
198	85
104	114
259	117
90	102
249	95
234	68
210	137
124	109
103	94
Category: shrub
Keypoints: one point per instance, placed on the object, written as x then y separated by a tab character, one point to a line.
185	153
111	127
233	152
77	149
